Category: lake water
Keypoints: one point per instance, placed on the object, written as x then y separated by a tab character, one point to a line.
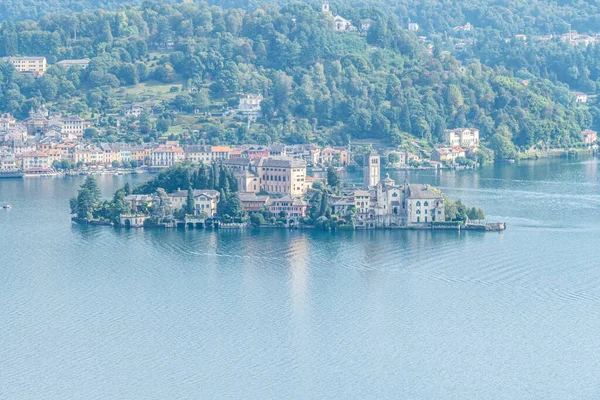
100	313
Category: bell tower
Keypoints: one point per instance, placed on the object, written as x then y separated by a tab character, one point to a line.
372	169
325	7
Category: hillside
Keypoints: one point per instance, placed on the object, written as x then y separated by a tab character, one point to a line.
318	85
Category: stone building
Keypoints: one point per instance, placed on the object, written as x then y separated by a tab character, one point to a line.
423	204
273	175
372	167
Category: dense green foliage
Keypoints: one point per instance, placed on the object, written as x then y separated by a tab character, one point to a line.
184	176
89	206
319	85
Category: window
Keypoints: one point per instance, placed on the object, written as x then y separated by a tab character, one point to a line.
426	204
418	211
418	204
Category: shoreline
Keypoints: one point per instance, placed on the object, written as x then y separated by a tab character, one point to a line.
216	225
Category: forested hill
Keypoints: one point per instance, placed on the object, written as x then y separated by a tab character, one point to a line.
509	17
318	84
16	10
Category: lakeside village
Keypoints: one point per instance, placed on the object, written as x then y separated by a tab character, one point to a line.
273	191
51	144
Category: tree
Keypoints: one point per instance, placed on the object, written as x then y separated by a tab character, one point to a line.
190	203
91	184
333	178
90	133
503	148
161	210
393	158
450	210
234	206
162	125
85	204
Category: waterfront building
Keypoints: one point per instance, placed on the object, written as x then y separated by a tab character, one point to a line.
206	154
294	207
34	162
372	167
35	66
462	137
137	201
53	155
447	154
388	200
423	204
8	162
362	203
589	136
205	201
167	155
251	202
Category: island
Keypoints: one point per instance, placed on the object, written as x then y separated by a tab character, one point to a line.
274	192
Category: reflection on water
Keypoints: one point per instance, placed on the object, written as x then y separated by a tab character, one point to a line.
94	312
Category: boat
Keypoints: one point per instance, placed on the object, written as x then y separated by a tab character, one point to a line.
7	206
7	174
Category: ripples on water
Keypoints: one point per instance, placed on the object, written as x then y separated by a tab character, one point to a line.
94	313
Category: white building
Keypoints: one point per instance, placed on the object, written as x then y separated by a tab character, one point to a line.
581	97
341	24
29	65
7	121
249	106
83	63
166	155
462	137
423	205
205	201
71	125
35	162
372	168
413	27
133	110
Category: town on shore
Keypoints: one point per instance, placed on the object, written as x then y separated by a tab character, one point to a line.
49	143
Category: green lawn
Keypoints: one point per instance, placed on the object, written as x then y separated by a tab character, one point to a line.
154	90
